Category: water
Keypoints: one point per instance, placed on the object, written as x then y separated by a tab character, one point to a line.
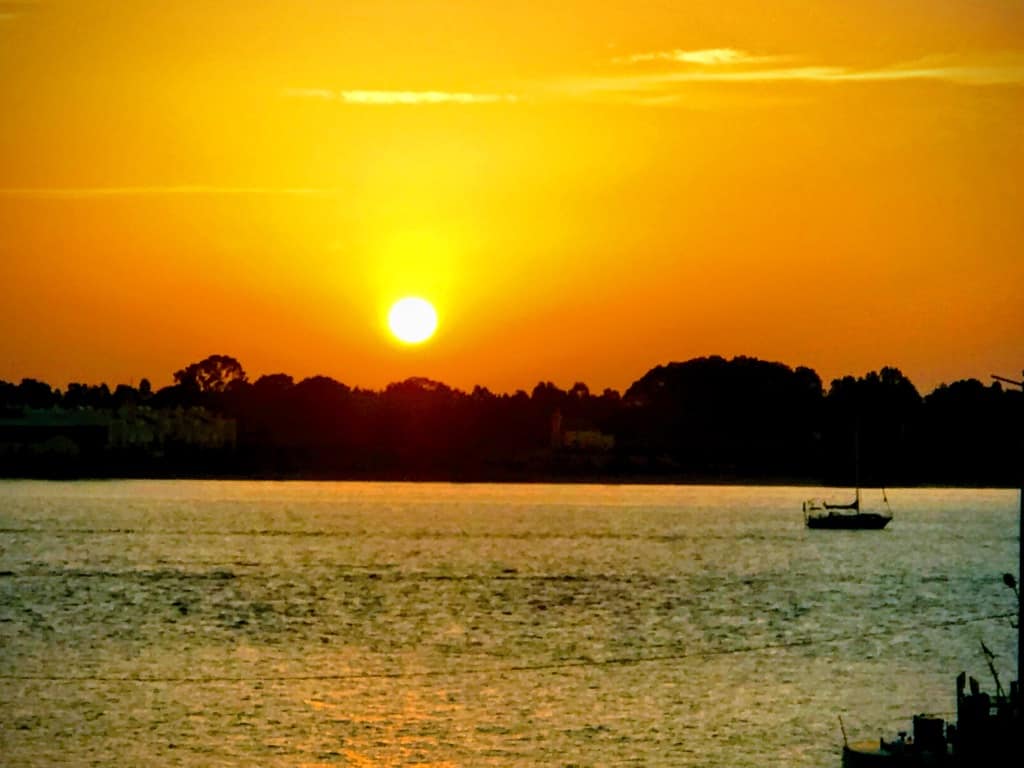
363	624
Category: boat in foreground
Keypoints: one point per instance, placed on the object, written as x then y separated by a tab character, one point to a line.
986	734
989	729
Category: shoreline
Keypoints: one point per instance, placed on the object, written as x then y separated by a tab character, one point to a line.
634	480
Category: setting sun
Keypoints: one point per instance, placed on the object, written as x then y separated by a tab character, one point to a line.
412	320
651	182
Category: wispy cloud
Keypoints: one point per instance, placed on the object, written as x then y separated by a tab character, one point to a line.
423	97
819	74
87	193
1001	69
401	98
665	84
703	56
660	78
727	65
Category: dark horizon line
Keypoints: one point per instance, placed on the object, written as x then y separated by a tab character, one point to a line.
513	393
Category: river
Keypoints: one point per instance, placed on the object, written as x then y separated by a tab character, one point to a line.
221	623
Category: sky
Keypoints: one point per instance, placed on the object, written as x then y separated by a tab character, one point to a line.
583	189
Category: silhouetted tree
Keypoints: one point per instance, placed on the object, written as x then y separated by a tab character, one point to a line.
482	394
579	391
971	434
8	398
319	411
709	417
124	394
546	393
712	415
273	384
36	394
870	428
86	396
214	374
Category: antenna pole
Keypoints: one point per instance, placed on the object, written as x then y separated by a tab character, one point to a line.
1020	554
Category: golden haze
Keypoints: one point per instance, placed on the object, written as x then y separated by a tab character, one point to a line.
583	191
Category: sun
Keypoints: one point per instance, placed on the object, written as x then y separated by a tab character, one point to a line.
412	320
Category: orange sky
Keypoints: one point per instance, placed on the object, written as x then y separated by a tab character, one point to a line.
584	189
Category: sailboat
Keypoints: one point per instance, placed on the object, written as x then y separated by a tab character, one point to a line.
822	514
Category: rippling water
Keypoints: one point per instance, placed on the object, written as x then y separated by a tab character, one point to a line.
364	624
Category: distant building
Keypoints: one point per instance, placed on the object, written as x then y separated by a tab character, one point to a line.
556	429
578	437
148	428
56	432
587	441
71	432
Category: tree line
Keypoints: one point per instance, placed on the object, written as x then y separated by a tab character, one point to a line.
704	420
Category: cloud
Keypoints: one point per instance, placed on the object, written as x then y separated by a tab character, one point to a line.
665	85
999	69
402	98
664	78
704	56
88	193
962	74
819	74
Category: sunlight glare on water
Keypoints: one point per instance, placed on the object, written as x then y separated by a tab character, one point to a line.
370	624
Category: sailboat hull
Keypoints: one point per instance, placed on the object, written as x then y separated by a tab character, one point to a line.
871	521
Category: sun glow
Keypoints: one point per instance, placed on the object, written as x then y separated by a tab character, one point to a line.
412	320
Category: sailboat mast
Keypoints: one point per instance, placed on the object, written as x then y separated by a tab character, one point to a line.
856	458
